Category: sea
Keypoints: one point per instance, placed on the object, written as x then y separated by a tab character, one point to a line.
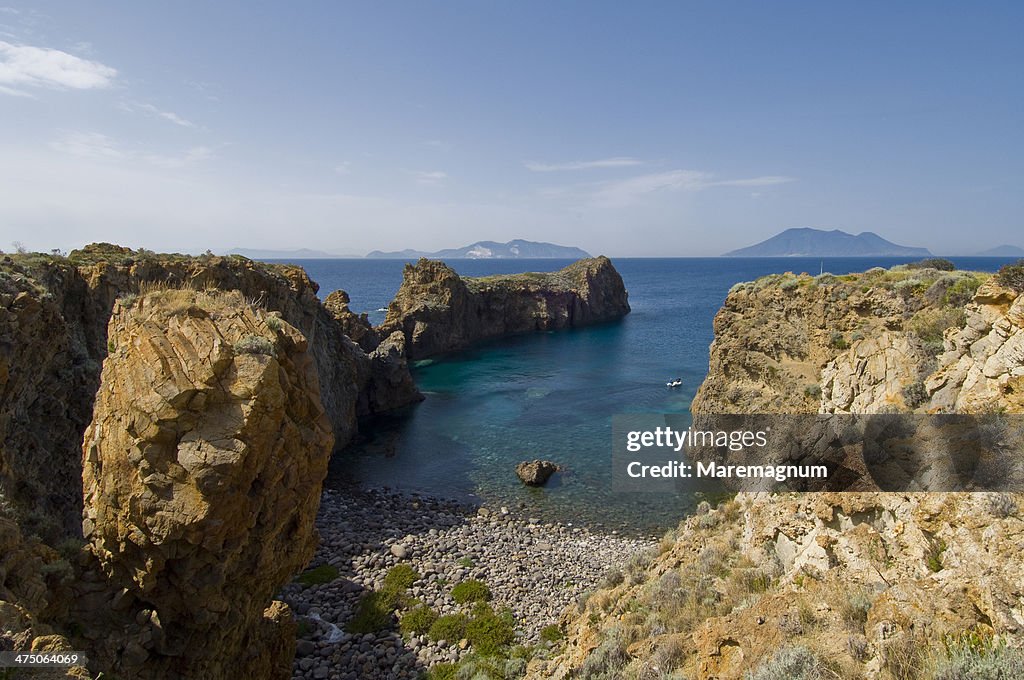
553	395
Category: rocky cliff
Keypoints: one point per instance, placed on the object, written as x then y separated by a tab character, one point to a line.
851	585
202	472
439	311
53	340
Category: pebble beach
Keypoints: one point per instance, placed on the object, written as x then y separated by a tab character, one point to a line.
533	569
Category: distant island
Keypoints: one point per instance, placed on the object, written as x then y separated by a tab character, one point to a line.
807	242
485	250
1002	251
297	254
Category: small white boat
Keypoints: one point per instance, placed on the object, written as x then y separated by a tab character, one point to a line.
674	383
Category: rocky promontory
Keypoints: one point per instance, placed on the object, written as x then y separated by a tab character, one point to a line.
438	311
845	585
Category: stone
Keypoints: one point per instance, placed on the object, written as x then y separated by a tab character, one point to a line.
536	472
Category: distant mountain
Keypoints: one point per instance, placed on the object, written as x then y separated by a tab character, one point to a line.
298	254
483	250
1002	251
807	242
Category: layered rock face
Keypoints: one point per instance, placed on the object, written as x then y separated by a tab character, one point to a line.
201	478
871	585
53	339
860	584
438	311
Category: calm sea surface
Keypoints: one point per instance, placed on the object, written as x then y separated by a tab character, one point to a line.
552	395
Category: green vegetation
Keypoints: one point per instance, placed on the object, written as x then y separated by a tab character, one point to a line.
1012	276
450	627
837	341
255	344
471	591
417	621
274	323
930	325
914	394
940	263
325	573
934	557
489	632
442	671
374	612
400	577
792	663
465	562
551	633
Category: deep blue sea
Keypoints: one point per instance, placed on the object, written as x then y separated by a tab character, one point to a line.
552	395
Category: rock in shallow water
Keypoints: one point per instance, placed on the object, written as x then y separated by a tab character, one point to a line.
536	472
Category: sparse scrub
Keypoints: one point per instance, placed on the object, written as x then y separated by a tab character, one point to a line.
325	573
930	325
914	394
607	661
274	323
791	663
551	633
939	263
1002	505
374	613
255	344
614	577
961	292
854	610
904	657
1012	276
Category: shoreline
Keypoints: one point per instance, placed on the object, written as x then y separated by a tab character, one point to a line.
535	569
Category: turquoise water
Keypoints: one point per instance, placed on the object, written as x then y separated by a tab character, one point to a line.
552	395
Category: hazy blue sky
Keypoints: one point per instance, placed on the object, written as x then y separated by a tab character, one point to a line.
628	128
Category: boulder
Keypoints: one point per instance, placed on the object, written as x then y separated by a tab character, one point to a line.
536	472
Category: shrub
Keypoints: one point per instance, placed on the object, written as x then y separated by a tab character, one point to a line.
442	671
961	292
1012	276
930	325
418	620
612	578
934	557
1002	505
400	577
914	394
325	573
551	633
854	610
128	299
999	663
450	627
274	323
812	391
374	613
790	663
940	263
837	341
255	344
606	662
489	632
790	284
471	591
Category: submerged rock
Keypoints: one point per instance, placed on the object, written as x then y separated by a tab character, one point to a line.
536	472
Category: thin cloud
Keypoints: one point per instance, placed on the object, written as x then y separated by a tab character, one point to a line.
627	191
429	178
617	162
152	110
89	145
98	146
24	66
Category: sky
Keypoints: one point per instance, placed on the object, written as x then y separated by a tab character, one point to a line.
629	129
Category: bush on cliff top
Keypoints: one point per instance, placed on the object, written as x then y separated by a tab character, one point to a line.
1012	276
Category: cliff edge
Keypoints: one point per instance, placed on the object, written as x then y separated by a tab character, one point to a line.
438	311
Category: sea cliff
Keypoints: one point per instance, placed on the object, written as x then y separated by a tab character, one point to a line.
850	585
439	311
